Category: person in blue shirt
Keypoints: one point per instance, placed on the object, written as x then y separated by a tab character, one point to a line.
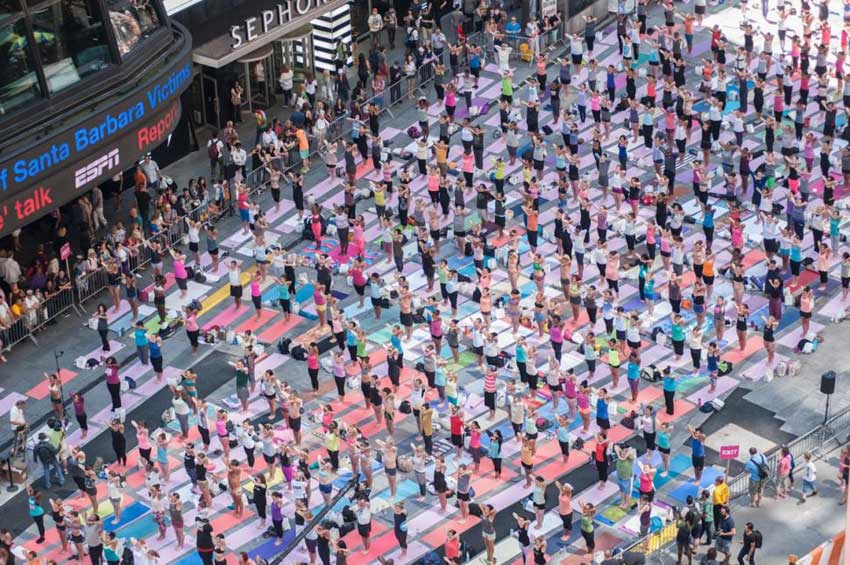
633	375
351	340
284	298
521	358
697	452
758	469
610	83
602	409
669	390
141	338
155	347
708	225
512	29
475	66
564	438
395	341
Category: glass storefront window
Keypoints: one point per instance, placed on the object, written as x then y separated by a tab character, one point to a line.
133	21
18	79
71	40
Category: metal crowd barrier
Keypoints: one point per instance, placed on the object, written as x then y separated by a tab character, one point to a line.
91	284
654	541
51	308
15	334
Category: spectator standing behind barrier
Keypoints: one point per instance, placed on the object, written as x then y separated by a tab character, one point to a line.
215	148
151	170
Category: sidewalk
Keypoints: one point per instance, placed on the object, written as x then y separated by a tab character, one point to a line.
790	527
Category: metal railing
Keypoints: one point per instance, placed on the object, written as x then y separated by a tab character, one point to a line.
91	284
52	307
655	541
15	334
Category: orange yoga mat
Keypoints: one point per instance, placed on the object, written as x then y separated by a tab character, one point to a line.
557	468
680	408
735	355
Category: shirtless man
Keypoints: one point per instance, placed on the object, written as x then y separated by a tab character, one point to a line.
390	459
234	486
405	307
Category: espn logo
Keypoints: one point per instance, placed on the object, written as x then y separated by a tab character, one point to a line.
96	168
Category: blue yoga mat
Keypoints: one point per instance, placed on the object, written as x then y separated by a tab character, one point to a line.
684	490
267	550
191	559
304	293
129	514
140	529
122	325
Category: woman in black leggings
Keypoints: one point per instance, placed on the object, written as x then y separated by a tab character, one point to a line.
102	326
113	382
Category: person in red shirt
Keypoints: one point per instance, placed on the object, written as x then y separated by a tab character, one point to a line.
456	424
453	547
601	457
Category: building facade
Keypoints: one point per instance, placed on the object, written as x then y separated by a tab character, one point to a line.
86	88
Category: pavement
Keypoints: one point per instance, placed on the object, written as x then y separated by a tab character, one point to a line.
769	412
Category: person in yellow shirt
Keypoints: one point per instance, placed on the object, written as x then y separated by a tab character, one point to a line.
719	497
332	445
425	417
441	150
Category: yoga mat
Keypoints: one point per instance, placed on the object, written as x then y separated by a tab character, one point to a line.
194	291
594	495
253	323
42	389
141	528
690	488
100	355
280	328
724	385
227	316
128	514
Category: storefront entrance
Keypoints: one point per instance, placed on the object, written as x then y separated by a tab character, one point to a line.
256	72
212	105
295	50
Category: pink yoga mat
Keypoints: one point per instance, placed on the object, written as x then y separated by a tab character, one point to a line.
280	328
227	316
254	323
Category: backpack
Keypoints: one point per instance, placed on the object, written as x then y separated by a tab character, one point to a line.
43	453
299	353
212	150
758	538
283	346
762	467
630	420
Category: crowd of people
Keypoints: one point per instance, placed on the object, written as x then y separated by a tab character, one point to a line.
631	217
